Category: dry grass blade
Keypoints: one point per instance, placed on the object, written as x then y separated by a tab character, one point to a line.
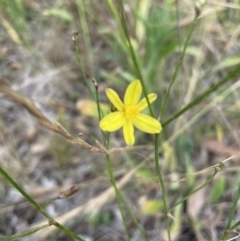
43	120
214	167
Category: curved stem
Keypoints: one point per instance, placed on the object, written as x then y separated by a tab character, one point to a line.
81	66
133	55
178	66
117	192
232	212
38	207
121	199
194	191
23	234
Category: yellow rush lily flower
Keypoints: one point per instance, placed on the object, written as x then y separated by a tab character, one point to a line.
129	114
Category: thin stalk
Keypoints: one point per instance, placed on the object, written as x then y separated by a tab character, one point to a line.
134	219
232	212
109	165
97	99
196	190
121	199
23	234
85	31
38	207
117	193
117	20
160	178
178	66
100	113
201	97
235	226
159	172
133	55
81	67
49	201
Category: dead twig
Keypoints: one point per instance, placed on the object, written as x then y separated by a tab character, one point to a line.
44	121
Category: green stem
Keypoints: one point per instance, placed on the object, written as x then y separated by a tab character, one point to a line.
235	226
232	212
121	199
198	99
133	55
23	234
178	66
117	192
49	201
196	190
82	69
117	20
39	208
134	219
100	112
85	31
160	177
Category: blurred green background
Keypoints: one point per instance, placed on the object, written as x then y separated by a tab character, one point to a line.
38	59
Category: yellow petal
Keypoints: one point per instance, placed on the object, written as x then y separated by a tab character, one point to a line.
133	93
147	124
143	103
115	100
128	133
112	121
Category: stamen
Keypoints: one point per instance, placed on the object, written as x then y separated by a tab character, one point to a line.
131	112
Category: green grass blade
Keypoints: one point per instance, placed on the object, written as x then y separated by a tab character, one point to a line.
201	97
178	66
196	190
38	207
132	54
231	215
23	234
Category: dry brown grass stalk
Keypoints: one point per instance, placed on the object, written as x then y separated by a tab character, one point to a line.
45	122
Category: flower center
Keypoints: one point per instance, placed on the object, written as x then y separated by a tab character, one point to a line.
131	112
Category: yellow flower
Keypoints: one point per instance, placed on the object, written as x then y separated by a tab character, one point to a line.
129	114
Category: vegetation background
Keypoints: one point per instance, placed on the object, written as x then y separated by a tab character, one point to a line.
40	61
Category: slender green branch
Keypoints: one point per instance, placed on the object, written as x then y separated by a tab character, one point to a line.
196	190
159	172
178	66
74	37
23	234
85	31
133	55
201	97
141	164
160	177
125	35
49	201
134	218
232	212
121	199
118	194
117	20
100	112
38	207
237	224
67	231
